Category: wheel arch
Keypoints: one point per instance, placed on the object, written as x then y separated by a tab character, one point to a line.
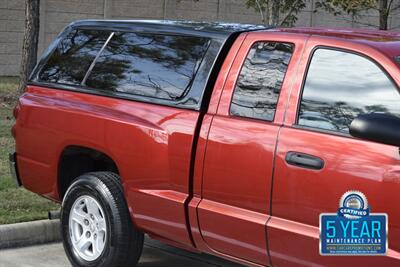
75	160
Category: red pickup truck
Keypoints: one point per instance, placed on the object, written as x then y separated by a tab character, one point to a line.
227	139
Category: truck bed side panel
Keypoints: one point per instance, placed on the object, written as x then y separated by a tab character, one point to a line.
150	144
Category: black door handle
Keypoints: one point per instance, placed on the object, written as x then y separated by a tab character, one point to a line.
304	160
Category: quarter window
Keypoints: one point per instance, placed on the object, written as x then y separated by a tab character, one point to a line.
340	86
260	80
72	58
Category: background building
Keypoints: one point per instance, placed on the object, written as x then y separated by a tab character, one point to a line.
56	14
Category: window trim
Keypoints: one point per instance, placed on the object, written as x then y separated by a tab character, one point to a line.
93	64
212	52
296	124
240	71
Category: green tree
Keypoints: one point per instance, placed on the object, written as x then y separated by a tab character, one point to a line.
357	7
276	12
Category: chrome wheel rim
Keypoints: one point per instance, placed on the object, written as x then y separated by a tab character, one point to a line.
88	228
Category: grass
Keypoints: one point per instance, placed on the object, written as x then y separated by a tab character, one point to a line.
16	204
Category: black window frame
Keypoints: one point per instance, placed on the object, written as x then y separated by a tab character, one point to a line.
192	100
280	91
296	124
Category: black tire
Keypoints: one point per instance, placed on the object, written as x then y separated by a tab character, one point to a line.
124	243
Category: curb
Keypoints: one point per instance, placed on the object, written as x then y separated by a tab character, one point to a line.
29	233
48	231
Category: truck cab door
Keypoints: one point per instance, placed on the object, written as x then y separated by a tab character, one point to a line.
239	157
341	81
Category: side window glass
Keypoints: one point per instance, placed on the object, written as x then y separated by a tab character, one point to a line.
340	86
159	66
260	80
73	56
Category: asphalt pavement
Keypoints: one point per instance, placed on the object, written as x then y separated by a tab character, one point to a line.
154	254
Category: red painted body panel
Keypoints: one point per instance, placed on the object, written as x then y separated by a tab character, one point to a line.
237	174
350	164
301	195
242	203
150	144
246	203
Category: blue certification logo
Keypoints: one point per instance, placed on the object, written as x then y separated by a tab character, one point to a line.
353	230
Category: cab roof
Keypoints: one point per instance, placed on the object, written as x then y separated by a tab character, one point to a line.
387	42
347	33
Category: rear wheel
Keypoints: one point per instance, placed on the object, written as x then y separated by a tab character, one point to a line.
96	225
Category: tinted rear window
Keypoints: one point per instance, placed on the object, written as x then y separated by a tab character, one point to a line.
72	58
160	66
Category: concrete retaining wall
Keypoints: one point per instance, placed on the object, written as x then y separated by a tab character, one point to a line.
56	14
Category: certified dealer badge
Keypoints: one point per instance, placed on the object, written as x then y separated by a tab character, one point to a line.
353	230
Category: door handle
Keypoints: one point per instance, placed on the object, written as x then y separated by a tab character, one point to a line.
304	161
